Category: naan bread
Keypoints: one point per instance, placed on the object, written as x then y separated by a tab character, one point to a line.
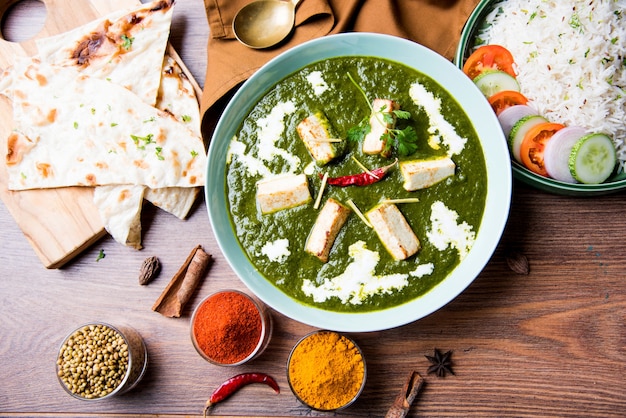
121	207
75	130
177	96
134	68
126	48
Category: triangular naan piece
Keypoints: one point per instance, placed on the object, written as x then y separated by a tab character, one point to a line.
125	47
72	129
176	96
121	207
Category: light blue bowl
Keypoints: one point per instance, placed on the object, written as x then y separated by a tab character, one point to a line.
412	55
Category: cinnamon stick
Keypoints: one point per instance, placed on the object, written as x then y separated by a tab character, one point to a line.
181	287
404	400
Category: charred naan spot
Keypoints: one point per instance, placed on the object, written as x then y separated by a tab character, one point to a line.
44	169
169	113
162	5
88	47
193	180
52	116
125	194
102	165
161	137
189	166
133	20
91	179
42	80
140	164
122	145
13	156
17	146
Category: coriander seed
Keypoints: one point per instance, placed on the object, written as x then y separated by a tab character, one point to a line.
98	360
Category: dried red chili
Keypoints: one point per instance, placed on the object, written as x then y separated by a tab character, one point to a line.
235	383
361	179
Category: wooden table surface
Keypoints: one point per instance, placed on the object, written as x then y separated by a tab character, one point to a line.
550	343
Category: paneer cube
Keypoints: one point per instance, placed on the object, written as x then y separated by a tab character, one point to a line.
327	225
393	231
282	192
420	174
381	120
316	133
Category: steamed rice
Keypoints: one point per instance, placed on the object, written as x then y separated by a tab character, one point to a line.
571	59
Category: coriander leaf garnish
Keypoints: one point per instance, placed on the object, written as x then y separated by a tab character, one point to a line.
75	125
404	141
101	255
194	153
128	42
402	114
357	133
158	153
186	118
142	141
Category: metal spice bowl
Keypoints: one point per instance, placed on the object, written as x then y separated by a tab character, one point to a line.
97	361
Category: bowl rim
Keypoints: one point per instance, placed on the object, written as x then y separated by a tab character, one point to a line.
386	47
614	184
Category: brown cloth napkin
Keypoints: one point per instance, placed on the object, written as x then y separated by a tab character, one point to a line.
436	24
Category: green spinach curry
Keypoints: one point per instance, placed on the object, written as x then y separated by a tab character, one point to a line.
360	275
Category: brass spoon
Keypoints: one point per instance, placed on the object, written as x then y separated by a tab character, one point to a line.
264	23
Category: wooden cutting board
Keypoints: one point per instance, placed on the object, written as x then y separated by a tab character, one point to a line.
58	223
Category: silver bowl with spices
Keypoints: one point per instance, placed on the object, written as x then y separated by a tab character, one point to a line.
326	371
230	328
97	361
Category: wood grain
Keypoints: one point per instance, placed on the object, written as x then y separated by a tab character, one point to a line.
548	344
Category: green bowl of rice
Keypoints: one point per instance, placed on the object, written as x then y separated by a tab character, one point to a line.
571	66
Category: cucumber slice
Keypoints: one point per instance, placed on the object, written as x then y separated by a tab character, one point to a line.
519	130
492	82
592	159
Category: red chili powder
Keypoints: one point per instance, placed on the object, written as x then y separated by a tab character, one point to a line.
227	327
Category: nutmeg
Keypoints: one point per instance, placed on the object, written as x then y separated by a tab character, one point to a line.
518	262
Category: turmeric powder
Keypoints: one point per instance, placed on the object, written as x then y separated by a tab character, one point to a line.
326	370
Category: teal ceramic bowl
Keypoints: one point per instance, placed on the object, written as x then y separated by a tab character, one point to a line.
413	55
469	41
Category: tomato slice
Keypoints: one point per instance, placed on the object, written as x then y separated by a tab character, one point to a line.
505	99
489	57
534	144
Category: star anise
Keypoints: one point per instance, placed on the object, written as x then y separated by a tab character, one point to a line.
440	363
